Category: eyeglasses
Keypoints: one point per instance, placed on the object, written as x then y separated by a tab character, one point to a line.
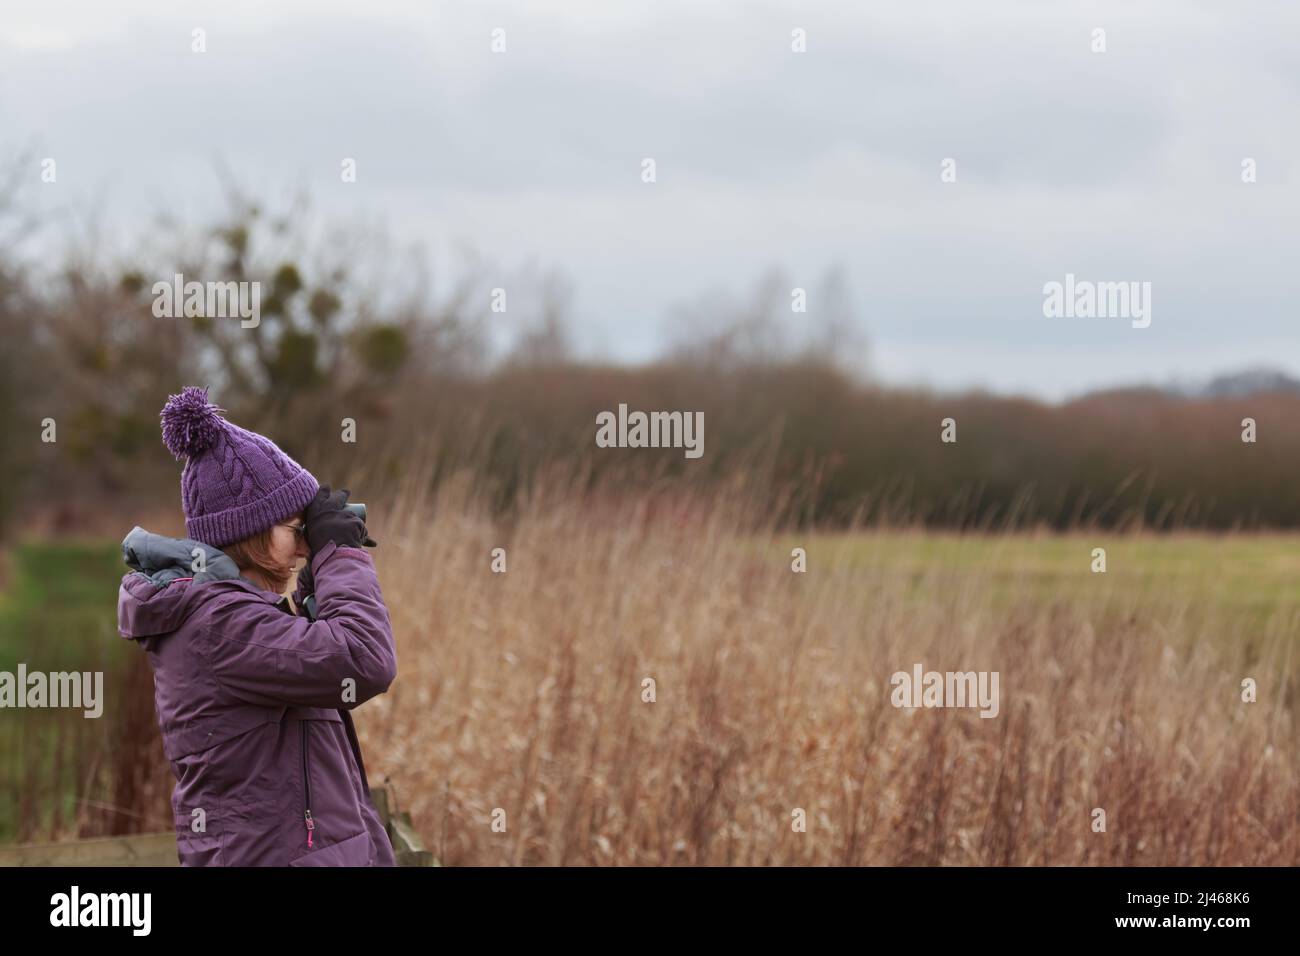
298	530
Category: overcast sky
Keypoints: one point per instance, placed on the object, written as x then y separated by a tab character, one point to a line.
1122	165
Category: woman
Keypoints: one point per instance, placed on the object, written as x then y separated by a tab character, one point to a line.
254	700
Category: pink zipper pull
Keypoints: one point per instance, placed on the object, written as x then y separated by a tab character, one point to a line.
310	826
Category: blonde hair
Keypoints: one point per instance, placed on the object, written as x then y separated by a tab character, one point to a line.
254	552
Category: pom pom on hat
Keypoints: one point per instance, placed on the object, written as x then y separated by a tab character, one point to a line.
190	423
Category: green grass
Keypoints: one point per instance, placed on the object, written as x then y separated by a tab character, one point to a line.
58	612
61	605
1249	580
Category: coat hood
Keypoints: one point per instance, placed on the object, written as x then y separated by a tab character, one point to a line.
156	596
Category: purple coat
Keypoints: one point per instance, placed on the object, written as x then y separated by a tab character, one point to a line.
254	706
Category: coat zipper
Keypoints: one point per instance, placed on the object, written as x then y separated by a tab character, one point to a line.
306	786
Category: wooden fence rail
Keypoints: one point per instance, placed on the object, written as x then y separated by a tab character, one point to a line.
159	849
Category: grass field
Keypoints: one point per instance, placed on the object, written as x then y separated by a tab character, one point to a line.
524	692
1248	578
57	612
523	696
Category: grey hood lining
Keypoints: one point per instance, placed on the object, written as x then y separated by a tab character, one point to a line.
162	559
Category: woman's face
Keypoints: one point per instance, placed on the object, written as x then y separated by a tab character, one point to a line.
286	545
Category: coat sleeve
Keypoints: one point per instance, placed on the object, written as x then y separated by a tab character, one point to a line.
261	655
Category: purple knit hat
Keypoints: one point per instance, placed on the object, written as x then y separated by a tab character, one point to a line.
235	483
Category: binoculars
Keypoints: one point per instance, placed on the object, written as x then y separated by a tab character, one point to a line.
356	508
